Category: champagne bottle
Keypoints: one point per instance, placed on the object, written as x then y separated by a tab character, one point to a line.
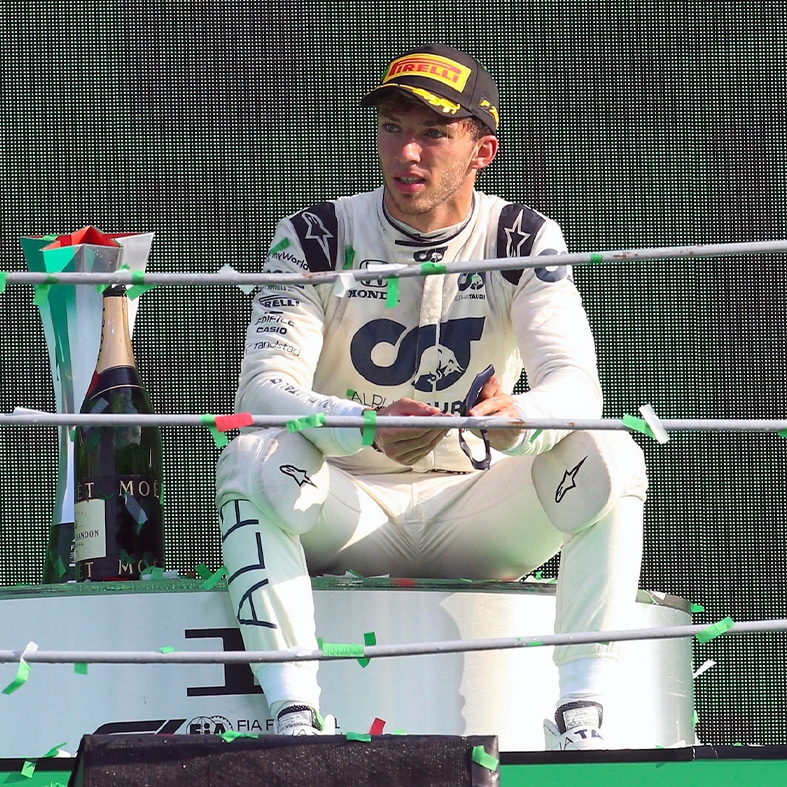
118	528
59	565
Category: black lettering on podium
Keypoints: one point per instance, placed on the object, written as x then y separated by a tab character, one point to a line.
238	678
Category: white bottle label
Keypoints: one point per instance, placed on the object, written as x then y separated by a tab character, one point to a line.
90	535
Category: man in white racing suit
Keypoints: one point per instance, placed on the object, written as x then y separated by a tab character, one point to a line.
299	503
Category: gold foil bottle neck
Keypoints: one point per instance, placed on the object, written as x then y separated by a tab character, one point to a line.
115	348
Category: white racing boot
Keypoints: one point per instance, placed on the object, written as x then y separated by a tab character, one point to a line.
576	728
303	720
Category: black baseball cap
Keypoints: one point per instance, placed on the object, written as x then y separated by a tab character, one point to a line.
447	80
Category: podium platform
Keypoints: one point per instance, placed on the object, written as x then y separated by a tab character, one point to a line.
504	693
693	766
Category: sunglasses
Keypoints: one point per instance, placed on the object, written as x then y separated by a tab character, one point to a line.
470	401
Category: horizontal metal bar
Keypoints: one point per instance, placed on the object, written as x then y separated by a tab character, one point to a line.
382	651
26	417
232	277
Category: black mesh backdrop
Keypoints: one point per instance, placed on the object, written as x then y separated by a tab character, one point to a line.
633	123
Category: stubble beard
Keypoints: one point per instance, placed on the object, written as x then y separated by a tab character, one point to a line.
434	195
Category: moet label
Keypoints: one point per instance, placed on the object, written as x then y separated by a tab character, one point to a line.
121	485
90	535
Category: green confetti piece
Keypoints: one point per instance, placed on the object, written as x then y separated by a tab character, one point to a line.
280	246
28	769
349	258
232	735
154	572
350	394
392	293
697	608
364	737
54	751
340	649
219	438
202	571
369	427
369	638
213	579
139	289
22	674
138	286
124	267
485	760
695	719
596	257
355	573
638	425
59	565
3	279
307	422
534	644
168	649
534	436
92	436
715	630
41	294
783	433
433	268
80	668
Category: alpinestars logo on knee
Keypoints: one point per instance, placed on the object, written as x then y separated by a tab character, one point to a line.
568	482
299	476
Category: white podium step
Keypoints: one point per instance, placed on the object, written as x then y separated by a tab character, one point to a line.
505	693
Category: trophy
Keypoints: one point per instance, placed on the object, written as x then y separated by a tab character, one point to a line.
71	316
